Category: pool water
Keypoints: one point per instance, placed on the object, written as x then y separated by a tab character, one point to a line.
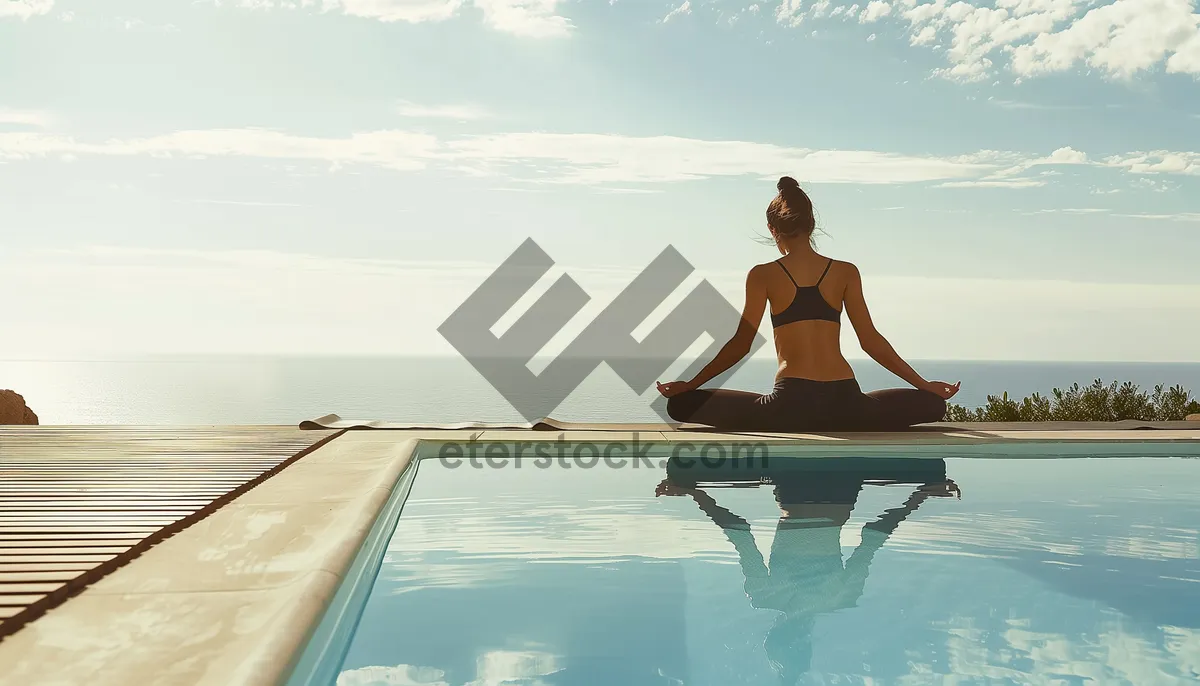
907	570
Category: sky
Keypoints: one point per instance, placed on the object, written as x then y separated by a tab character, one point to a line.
1016	179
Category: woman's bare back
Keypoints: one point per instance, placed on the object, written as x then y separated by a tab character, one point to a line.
808	349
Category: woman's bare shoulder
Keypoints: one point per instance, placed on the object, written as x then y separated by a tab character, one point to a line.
847	269
759	269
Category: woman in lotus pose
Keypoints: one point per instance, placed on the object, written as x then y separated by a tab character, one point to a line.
815	388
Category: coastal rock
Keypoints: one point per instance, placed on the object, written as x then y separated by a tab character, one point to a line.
14	411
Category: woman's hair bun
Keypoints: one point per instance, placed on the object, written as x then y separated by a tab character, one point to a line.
787	183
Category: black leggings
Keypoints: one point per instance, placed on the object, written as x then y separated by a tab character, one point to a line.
800	405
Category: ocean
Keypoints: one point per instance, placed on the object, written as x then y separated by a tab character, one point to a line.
287	390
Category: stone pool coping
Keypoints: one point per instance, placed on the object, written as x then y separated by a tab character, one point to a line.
233	599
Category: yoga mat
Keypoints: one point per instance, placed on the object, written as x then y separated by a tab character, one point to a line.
333	421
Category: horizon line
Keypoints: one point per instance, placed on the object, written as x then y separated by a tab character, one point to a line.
180	356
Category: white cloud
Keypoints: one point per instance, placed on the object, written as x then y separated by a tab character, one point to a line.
457	112
790	12
493	668
1074	210
1009	177
25	118
1021	105
1022	654
682	10
24	9
400	675
593	159
1158	162
601	158
995	183
528	18
573	158
394	149
1067	155
627	191
1151	182
411	11
1120	39
1034	37
875	10
1177	217
977	32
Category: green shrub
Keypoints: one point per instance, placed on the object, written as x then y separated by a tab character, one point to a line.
1094	403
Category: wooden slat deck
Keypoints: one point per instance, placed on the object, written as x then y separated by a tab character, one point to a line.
76	503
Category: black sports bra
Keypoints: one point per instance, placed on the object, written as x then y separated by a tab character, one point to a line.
808	303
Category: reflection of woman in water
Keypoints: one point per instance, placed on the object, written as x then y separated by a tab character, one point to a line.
807	576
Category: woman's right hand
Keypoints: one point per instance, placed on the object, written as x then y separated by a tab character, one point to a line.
674	388
946	489
942	389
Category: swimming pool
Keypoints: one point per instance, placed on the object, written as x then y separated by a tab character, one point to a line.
921	564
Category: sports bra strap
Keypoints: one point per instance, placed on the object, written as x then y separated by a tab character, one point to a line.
789	274
822	273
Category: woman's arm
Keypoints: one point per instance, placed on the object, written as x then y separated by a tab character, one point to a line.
743	339
737	530
876	533
873	343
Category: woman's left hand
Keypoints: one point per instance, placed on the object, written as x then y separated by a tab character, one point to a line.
942	389
673	388
668	487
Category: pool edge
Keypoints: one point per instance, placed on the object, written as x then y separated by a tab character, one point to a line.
244	601
320	657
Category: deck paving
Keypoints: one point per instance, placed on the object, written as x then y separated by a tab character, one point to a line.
77	503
